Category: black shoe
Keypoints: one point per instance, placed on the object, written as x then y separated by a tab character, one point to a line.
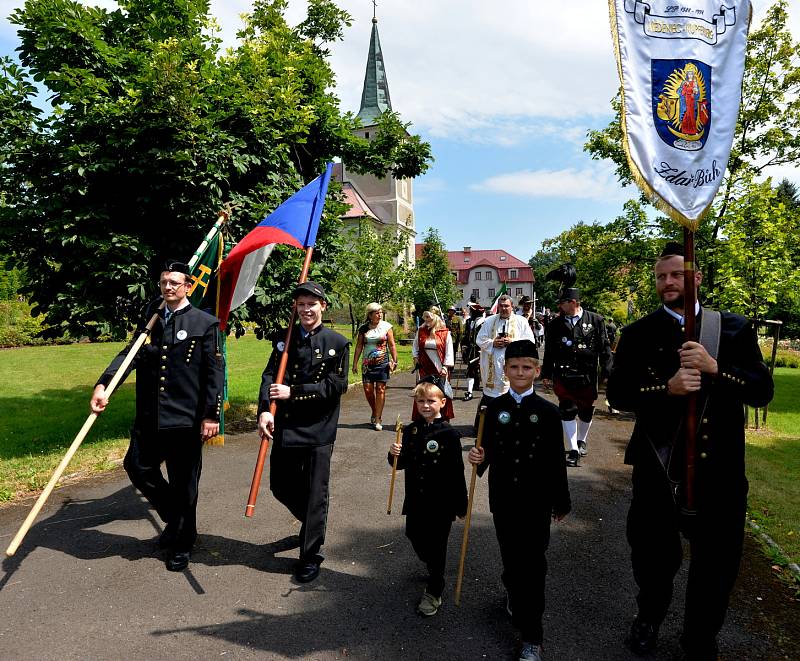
642	637
305	572
582	448
572	459
178	560
168	537
467	396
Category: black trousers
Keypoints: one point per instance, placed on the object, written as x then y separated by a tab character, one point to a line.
523	544
174	500
715	546
428	535
299	480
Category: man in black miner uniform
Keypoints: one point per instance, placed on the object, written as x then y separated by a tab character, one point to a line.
470	354
179	388
654	370
304	427
576	346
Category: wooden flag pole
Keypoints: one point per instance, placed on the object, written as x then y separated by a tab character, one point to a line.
399	440
689	300
468	519
40	501
273	405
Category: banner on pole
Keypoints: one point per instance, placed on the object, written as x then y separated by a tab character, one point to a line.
681	67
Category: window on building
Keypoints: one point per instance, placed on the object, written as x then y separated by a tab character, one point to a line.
488	275
491	293
478	275
519	291
502	258
366	134
512	274
476	293
466	260
454	274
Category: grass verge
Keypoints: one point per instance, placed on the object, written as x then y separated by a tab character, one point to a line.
44	400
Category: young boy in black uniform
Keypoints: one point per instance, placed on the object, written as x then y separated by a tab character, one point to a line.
523	444
436	491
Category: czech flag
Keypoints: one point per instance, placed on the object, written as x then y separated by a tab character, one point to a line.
294	223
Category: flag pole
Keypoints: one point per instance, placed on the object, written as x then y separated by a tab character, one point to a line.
73	448
273	405
468	519
689	304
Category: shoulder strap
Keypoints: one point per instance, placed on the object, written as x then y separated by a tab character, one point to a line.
710	328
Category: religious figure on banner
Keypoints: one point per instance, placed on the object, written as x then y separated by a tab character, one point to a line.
683	106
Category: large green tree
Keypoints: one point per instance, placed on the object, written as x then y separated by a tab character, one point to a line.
767	134
431	281
152	130
367	272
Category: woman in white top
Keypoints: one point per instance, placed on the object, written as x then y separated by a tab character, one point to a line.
433	353
376	342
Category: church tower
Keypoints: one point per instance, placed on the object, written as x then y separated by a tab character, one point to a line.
386	201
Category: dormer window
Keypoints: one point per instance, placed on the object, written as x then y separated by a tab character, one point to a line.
512	274
502	258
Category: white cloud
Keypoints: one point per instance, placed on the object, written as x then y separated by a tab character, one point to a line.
590	183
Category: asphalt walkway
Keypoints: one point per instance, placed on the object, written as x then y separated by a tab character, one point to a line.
89	583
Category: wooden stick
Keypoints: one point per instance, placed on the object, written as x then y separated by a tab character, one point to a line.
689	299
399	440
273	405
26	525
40	501
468	519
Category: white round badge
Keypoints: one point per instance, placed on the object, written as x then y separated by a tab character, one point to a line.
504	417
331	352
280	346
534	418
432	446
181	334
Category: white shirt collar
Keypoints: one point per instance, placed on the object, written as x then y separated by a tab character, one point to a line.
680	318
519	397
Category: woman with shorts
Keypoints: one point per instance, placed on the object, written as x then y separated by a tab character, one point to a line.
376	344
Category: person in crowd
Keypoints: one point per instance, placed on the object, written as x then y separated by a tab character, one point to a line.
376	346
436	491
179	389
433	355
655	371
470	353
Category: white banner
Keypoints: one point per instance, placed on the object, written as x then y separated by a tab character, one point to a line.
681	66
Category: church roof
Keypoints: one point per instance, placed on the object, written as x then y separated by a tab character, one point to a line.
375	96
358	208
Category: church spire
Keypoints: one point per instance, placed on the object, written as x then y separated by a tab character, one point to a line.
375	97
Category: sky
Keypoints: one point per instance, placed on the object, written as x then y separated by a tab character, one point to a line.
505	93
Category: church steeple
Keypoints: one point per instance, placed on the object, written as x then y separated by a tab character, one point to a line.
375	97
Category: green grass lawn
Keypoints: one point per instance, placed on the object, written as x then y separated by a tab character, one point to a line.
773	466
44	400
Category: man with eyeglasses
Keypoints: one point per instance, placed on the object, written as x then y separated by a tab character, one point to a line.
179	388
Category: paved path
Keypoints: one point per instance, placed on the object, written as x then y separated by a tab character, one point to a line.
88	583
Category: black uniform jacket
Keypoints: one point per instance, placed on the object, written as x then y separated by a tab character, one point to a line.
647	357
179	372
524	446
432	458
572	354
317	374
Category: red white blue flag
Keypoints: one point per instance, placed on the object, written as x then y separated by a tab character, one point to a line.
294	223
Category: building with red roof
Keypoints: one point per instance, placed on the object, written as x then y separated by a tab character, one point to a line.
482	273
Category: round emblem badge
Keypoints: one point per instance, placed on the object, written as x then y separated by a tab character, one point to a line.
181	334
504	417
534	418
431	446
569	343
280	346
331	352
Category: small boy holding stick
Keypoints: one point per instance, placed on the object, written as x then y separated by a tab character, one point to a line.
523	444
436	491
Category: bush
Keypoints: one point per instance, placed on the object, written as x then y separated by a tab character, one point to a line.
18	327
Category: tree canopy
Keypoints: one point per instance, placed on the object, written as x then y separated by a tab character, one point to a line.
152	130
431	282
